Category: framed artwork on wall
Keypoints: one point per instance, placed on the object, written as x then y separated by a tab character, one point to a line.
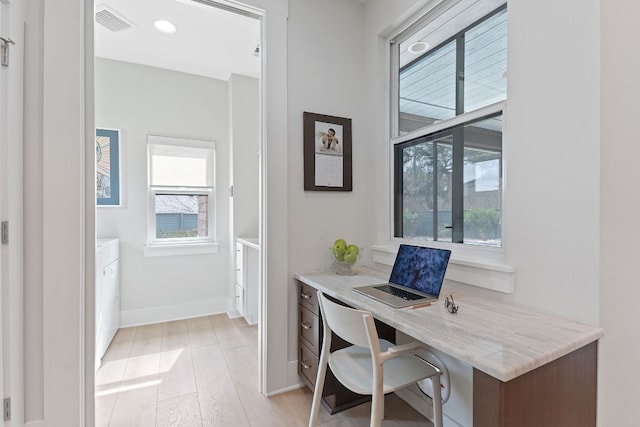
107	167
327	153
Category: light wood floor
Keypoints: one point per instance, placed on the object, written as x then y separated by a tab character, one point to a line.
204	372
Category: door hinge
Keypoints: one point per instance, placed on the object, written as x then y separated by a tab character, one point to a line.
4	50
5	232
6	408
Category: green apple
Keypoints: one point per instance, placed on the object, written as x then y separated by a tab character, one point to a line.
351	254
339	248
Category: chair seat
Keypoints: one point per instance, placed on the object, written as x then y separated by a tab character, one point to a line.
352	366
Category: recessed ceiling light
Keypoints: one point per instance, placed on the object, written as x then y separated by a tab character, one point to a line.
418	47
164	26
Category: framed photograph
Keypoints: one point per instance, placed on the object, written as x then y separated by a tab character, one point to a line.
107	167
327	153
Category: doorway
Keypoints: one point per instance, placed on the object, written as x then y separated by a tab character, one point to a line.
183	98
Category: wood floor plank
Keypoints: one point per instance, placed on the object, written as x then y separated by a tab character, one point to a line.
176	372
201	332
175	335
204	372
108	381
104	406
299	404
110	373
242	365
181	411
138	393
228	333
397	413
142	369
219	402
148	340
136	407
120	346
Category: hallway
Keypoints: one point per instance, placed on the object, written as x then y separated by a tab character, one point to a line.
204	372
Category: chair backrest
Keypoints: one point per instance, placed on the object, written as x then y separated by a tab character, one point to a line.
354	326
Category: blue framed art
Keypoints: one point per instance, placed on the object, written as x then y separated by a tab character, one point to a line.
107	167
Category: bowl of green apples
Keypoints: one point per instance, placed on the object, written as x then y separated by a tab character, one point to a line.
344	257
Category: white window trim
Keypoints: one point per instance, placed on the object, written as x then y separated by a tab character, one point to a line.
483	274
180	246
480	266
460	119
181	249
168	242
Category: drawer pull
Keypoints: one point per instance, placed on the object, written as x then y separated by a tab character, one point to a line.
305	295
305	365
305	325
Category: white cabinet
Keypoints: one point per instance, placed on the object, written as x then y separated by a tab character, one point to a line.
107	294
247	278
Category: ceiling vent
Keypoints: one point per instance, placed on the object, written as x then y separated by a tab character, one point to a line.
111	20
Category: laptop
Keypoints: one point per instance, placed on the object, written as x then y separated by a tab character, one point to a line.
416	278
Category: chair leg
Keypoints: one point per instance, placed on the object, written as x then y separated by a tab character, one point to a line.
317	392
437	401
377	402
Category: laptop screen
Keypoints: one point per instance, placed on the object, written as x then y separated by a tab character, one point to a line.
420	268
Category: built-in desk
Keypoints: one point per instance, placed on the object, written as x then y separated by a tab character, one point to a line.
529	369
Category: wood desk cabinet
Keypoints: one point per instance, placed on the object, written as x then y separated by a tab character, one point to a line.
530	369
335	396
560	393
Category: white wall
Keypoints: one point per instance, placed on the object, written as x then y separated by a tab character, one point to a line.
33	272
563	115
325	76
140	100
244	107
551	152
619	291
55	109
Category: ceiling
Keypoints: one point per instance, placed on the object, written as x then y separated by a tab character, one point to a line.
209	41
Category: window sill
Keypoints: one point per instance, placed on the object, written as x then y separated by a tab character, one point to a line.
181	249
493	276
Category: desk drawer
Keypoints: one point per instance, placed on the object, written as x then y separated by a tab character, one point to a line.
308	366
308	297
309	329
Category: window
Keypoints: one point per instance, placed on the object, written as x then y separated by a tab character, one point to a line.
181	190
447	104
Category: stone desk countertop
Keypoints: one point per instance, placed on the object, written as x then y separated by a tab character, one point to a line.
501	340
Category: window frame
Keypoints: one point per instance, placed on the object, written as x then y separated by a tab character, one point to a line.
460	119
209	190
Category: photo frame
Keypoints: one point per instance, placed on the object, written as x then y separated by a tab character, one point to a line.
327	153
107	167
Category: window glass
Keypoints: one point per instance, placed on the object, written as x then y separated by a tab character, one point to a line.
181	216
181	202
485	62
430	182
427	89
447	136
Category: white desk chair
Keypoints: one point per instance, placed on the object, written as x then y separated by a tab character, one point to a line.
372	366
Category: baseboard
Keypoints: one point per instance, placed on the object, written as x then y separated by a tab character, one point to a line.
293	379
167	313
285	390
233	313
35	423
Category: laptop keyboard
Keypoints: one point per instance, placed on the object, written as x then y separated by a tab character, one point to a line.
409	296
